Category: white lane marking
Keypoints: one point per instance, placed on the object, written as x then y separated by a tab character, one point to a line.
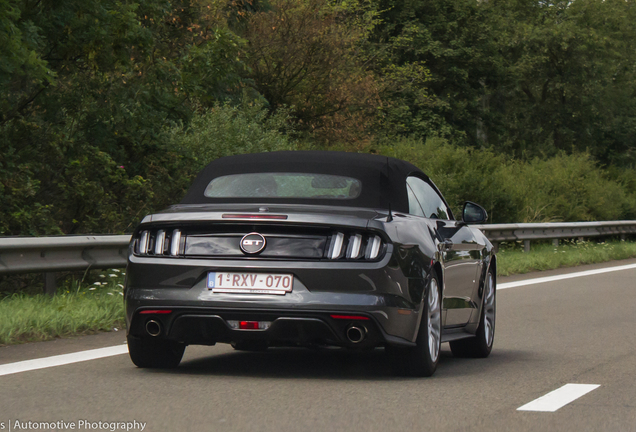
563	276
64	359
559	398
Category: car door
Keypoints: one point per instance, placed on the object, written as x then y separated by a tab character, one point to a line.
459	251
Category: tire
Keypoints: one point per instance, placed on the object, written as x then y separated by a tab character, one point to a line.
155	353
421	360
481	344
250	345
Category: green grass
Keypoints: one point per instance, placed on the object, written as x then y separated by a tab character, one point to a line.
80	307
513	260
95	303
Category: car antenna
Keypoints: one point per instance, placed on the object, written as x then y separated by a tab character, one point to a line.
389	218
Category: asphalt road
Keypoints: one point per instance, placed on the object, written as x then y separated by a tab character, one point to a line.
579	330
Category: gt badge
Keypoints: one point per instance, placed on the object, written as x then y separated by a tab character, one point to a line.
252	243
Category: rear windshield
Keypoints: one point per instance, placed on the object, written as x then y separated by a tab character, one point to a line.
284	185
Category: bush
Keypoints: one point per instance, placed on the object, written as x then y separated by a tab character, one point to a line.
566	188
462	174
563	188
225	130
50	184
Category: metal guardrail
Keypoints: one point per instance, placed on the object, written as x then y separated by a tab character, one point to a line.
497	233
64	253
61	253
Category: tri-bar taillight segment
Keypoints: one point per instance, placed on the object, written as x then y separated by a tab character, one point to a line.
159	243
354	246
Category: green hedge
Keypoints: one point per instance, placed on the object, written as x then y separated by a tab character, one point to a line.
562	188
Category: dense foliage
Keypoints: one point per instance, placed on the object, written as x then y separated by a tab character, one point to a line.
108	109
561	188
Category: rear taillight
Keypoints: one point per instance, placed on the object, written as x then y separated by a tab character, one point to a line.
175	243
351	317
158	243
335	246
155	311
355	246
142	246
373	248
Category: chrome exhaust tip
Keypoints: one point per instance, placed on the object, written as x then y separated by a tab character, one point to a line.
153	328
356	334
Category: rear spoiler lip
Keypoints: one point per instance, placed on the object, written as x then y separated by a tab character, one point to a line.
297	219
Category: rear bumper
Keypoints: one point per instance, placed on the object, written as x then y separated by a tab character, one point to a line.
211	326
377	290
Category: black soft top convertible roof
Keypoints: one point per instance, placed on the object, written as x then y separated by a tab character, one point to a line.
383	178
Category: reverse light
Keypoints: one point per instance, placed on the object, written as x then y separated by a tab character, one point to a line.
249	325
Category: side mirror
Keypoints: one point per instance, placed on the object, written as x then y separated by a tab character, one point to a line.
474	213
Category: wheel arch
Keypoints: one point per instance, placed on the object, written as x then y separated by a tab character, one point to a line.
492	265
437	267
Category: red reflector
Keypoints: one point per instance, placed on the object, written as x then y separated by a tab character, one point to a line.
253	216
350	317
248	325
156	311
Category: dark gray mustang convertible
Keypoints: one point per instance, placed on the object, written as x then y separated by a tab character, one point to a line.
310	249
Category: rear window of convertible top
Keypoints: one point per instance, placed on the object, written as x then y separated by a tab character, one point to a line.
284	185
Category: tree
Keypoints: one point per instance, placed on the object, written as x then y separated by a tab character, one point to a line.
573	78
527	77
440	62
89	86
307	54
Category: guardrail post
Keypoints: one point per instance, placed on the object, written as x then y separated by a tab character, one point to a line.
526	245
495	246
49	284
555	242
623	237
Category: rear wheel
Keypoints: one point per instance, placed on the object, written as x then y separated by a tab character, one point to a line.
480	345
155	353
422	359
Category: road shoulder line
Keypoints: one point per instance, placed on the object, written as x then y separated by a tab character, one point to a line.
558	398
534	281
64	359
